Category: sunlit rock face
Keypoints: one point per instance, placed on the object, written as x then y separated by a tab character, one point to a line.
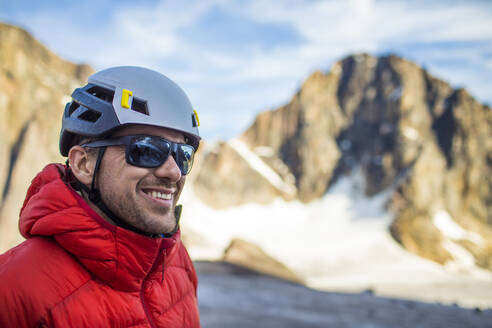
428	144
225	179
35	84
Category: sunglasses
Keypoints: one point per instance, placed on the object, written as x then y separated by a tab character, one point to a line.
150	151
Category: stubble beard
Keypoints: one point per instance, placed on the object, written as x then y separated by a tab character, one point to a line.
151	219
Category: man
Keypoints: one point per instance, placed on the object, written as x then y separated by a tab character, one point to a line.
103	244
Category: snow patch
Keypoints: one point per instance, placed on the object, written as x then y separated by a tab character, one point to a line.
463	258
261	167
410	133
449	228
264	151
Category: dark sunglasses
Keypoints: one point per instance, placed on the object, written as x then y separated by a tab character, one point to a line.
150	151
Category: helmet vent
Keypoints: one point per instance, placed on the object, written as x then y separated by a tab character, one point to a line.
90	116
72	108
101	93
140	106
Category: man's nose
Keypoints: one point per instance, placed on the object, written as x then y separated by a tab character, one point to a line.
169	170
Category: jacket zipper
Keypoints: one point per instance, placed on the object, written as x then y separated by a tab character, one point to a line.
142	296
163	264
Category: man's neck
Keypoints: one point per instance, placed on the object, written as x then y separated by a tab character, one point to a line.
95	208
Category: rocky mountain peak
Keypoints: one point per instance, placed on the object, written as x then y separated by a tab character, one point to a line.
403	129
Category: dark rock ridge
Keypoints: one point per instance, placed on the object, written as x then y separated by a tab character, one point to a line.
403	129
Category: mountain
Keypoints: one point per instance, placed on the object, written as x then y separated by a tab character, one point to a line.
35	84
383	123
410	135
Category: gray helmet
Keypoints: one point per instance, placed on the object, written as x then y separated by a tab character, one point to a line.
127	95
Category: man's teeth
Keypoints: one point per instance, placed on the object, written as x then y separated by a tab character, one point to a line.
160	195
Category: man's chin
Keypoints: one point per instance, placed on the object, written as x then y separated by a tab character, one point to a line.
162	225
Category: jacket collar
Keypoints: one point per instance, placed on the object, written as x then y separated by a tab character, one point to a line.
118	257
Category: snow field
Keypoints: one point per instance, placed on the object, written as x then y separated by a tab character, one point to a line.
340	242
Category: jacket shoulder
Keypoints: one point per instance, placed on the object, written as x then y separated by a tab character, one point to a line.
34	277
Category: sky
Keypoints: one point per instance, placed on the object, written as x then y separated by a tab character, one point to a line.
237	58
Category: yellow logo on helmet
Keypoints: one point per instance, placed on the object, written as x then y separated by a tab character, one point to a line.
196	119
125	98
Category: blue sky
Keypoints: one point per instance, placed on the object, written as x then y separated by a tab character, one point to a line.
237	58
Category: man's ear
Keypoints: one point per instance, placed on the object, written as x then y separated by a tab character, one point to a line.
82	164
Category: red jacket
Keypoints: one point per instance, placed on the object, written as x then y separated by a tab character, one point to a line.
77	270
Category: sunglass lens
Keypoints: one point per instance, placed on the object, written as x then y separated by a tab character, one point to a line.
185	158
144	153
153	152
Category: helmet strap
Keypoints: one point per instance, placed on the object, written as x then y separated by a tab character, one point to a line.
94	196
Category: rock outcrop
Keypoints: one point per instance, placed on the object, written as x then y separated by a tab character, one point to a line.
229	174
233	181
405	130
35	84
246	254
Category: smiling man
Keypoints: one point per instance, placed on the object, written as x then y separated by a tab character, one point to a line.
103	244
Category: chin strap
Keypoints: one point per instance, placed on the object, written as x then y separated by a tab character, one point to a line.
95	197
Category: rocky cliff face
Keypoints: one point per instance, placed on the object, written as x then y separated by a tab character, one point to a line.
35	84
406	131
232	181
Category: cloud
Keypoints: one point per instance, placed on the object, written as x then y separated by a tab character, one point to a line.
236	58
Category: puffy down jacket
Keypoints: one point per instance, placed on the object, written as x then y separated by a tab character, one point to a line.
77	270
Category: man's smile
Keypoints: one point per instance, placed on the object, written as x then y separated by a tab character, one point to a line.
163	196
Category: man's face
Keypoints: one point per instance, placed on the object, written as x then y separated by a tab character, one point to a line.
143	197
